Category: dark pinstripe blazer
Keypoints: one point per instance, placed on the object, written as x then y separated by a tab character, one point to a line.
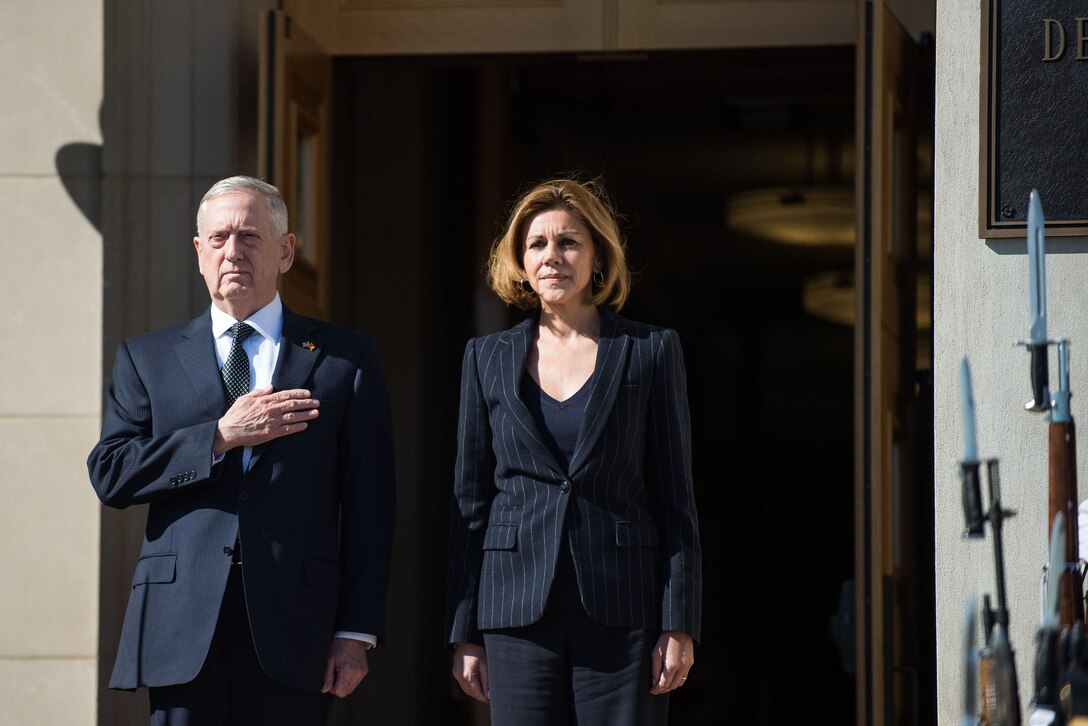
314	512
626	503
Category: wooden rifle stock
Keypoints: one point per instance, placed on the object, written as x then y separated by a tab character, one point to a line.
1063	498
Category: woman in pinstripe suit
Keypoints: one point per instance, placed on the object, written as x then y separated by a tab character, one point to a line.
575	575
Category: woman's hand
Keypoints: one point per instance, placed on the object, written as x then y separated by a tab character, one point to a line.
672	659
470	670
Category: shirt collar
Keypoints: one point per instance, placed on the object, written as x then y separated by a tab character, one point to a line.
268	321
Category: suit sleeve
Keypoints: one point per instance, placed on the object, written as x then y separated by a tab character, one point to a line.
473	491
668	473
132	464
367	500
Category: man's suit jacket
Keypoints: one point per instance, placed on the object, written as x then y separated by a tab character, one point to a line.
626	502
314	513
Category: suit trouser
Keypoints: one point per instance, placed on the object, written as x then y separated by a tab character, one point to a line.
568	669
231	689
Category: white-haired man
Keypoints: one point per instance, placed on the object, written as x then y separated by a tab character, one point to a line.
262	442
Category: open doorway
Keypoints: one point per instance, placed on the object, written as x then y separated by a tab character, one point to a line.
427	153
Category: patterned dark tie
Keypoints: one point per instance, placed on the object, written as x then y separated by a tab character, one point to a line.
236	370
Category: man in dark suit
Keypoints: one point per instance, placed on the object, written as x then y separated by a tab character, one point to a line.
262	442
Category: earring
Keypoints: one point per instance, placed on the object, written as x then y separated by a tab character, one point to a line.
598	278
526	287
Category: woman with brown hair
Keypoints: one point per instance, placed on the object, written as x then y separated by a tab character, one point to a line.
575	575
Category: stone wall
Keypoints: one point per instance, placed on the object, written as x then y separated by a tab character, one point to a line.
51	350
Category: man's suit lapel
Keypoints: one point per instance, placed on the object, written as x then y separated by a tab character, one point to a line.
607	375
196	353
298	355
511	371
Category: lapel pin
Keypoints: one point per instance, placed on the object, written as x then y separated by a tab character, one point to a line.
308	345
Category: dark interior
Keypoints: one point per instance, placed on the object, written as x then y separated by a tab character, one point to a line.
428	153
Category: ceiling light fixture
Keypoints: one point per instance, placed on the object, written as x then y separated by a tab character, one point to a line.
807	215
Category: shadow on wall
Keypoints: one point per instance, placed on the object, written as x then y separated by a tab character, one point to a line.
79	166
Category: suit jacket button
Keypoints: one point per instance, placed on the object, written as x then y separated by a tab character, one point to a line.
228	551
243	496
564	487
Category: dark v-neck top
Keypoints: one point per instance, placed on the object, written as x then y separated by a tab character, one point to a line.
559	421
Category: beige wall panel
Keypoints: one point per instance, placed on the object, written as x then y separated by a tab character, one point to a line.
172	263
51	83
657	24
183	88
49	528
49	692
126	125
216	84
575	26
365	28
52	283
170	90
980	309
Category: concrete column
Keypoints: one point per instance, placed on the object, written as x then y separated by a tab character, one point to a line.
980	309
180	113
51	52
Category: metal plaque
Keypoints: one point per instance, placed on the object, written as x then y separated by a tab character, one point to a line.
1034	115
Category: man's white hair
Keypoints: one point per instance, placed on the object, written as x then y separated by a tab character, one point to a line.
277	210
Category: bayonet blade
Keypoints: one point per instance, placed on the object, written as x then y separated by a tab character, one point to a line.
1036	269
1037	340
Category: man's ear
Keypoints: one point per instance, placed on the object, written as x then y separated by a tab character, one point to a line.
287	252
196	244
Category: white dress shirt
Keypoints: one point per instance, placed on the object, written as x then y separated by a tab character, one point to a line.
262	347
263	350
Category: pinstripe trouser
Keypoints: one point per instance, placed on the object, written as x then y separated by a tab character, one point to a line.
568	670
